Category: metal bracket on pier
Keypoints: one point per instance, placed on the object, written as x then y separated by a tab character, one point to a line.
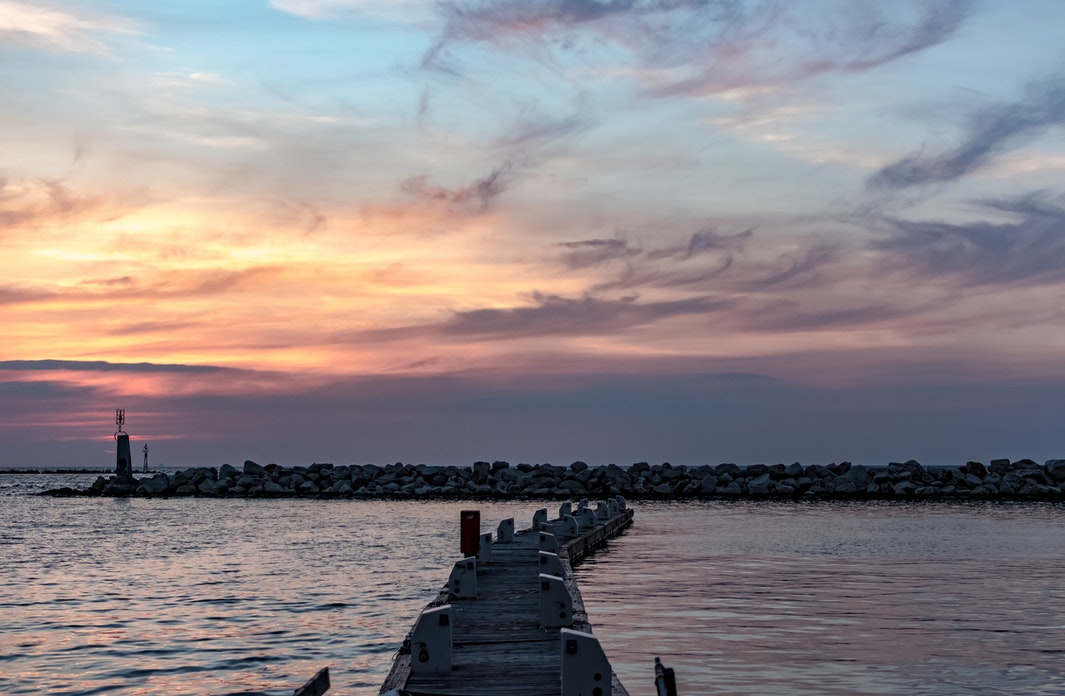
556	604
462	584
484	551
430	641
551	564
612	507
582	504
587	519
539	517
564	509
602	513
622	503
585	669
549	542
505	533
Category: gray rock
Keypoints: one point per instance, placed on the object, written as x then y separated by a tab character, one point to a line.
253	469
733	471
999	466
247	481
759	485
1055	469
156	485
227	471
121	487
856	478
904	489
275	488
732	490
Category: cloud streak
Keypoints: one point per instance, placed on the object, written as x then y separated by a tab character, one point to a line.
53	29
474	197
1028	251
43	201
584	316
105	366
991	130
706	46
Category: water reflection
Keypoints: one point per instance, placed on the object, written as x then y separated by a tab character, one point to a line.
834	599
189	596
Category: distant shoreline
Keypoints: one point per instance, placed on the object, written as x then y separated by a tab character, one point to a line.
64	470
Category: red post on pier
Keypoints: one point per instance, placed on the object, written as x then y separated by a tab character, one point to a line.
470	532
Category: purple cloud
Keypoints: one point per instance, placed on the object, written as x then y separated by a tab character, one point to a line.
1029	250
476	195
991	130
709	45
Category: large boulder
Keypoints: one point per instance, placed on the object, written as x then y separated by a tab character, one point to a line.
156	485
1055	469
904	489
759	485
274	488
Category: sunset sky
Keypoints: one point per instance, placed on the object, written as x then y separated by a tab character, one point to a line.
696	231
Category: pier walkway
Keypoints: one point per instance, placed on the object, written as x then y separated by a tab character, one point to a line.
511	629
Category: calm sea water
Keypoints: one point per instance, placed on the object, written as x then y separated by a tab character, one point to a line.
199	596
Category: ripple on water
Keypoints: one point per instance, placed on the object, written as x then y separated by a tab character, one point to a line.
189	596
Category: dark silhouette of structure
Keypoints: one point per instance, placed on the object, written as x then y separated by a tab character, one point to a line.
124	461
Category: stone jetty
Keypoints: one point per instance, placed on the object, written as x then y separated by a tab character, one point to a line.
1001	479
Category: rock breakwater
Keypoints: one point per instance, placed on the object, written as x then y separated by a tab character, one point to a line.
1001	479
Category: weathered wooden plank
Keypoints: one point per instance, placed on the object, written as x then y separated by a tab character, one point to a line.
498	645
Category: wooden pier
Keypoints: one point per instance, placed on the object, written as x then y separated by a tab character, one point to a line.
498	641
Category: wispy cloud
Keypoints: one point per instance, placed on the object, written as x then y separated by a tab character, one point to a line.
1029	250
473	197
23	23
27	205
397	10
706	261
593	252
103	366
704	46
544	314
991	131
582	316
802	265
